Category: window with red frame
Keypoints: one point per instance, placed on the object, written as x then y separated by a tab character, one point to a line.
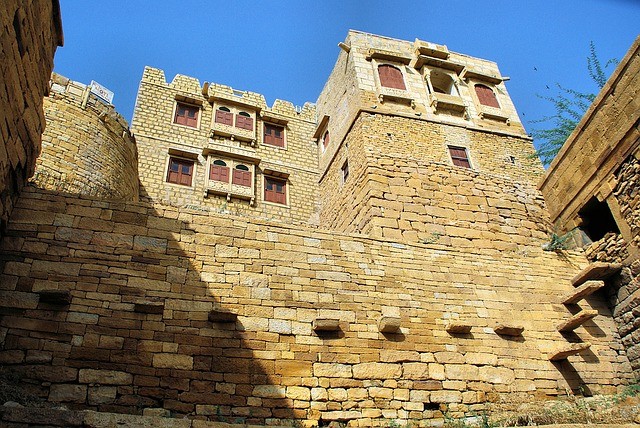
459	156
275	190
244	121
486	96
186	115
273	135
391	77
241	176
224	116
219	171
180	171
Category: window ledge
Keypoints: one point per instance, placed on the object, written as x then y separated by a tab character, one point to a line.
447	102
483	77
230	190
234	132
239	153
213	95
493	113
385	93
423	60
387	56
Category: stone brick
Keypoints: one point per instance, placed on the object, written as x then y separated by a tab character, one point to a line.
377	371
104	377
173	361
68	393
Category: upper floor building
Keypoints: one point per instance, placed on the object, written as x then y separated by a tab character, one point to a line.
214	147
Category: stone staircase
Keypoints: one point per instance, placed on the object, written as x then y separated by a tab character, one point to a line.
587	282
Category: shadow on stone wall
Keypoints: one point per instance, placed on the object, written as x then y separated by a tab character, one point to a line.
135	332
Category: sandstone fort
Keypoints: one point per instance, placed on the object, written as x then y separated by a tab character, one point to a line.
389	252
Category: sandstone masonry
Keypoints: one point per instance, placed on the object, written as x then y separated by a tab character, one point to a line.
31	32
377	256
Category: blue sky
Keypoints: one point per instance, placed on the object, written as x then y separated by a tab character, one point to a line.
286	49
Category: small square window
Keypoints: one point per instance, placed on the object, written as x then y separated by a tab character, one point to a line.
459	156
275	190
273	135
345	171
186	114
180	171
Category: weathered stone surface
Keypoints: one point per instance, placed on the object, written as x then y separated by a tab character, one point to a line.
104	377
101	395
173	361
42	417
377	371
68	393
269	391
331	370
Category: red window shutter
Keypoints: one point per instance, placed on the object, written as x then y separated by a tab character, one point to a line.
241	178
275	191
224	117
180	171
391	77
244	122
219	173
186	115
273	135
459	156
486	96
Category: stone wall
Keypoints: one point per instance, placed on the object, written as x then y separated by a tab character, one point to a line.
87	148
599	162
158	138
354	86
402	184
143	282
30	33
624	289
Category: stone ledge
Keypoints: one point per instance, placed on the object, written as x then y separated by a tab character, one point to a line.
586	289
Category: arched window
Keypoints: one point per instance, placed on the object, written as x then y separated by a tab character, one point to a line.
219	171
486	96
442	83
244	121
224	116
391	77
241	176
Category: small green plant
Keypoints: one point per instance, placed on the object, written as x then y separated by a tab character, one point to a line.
557	242
433	238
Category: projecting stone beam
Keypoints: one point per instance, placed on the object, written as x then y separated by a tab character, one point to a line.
596	270
508	330
577	320
458	328
389	324
224	317
572	349
326	324
586	289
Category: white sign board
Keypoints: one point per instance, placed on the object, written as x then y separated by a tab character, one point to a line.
101	91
